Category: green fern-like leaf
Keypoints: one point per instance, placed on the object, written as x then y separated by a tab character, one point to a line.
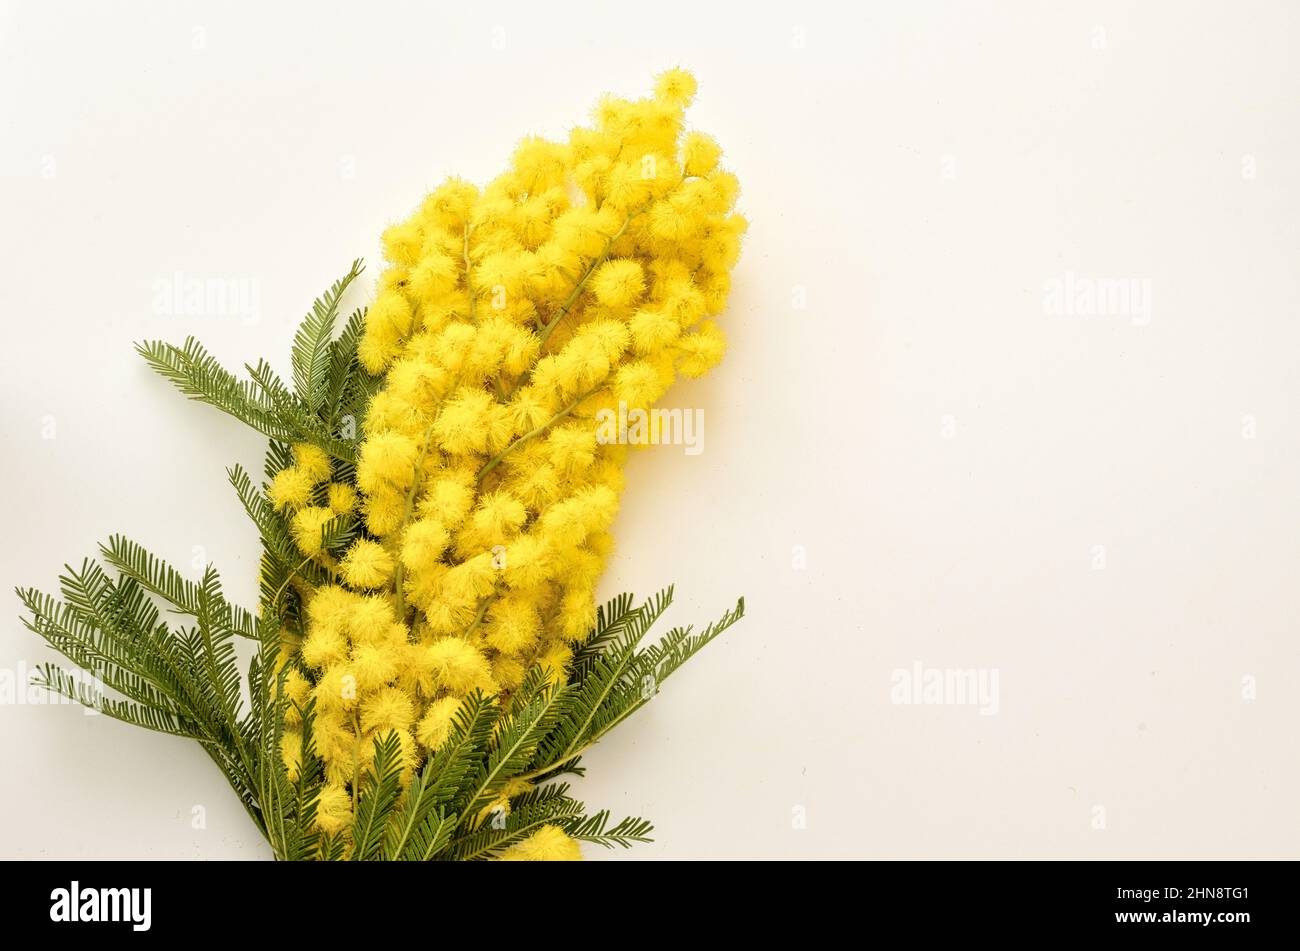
311	345
58	681
198	375
453	765
349	387
625	833
515	741
431	838
134	561
528	813
378	798
600	676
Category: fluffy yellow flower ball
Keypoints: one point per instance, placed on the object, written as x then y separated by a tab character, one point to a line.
547	844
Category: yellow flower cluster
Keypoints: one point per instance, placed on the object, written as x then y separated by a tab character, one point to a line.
585	276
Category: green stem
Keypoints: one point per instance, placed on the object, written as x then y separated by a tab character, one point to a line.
400	574
577	289
301	565
568	757
542	771
478	618
469	287
496	460
356	762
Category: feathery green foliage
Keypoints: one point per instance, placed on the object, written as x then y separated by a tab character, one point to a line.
326	379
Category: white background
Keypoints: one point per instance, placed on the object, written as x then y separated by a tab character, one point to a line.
946	453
